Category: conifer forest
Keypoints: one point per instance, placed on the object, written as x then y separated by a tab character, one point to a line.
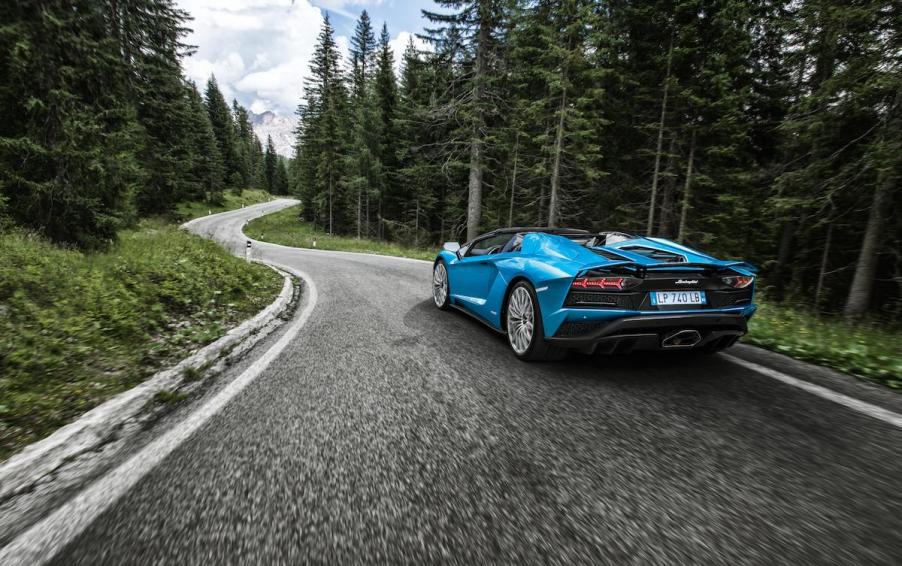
768	130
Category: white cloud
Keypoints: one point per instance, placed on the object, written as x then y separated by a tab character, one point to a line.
258	107
341	6
259	50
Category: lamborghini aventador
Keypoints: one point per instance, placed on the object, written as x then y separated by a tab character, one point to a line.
551	290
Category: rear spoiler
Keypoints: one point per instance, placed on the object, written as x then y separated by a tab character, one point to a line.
641	269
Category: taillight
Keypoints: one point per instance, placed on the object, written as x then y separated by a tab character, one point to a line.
605	283
738	281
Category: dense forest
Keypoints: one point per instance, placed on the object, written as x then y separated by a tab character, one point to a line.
99	127
764	129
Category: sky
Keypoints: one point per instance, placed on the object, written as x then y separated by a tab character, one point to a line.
260	50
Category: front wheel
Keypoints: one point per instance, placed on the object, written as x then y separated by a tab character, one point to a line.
525	332
440	287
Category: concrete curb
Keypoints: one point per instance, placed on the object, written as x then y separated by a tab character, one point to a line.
92	430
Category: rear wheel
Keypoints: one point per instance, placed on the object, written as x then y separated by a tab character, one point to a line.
440	287
525	332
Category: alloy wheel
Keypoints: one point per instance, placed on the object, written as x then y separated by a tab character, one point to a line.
440	284
520	320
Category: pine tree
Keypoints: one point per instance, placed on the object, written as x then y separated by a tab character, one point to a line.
386	101
832	197
768	130
365	167
363	48
68	135
280	179
411	201
244	139
148	34
322	138
476	22
207	170
718	101
270	161
258	163
553	55
224	128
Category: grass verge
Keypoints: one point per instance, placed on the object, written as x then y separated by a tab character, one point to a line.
285	228
230	201
75	329
869	350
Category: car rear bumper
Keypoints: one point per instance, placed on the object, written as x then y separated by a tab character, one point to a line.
650	332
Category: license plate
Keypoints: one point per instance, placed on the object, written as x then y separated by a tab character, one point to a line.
678	298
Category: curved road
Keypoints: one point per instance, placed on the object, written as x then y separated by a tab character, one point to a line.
391	432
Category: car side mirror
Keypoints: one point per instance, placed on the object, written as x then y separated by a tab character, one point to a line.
452	247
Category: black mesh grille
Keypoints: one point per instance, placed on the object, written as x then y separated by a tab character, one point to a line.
570	329
611	300
721	299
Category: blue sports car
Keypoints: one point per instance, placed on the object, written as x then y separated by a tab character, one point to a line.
555	289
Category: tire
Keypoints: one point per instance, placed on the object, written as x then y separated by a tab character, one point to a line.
524	329
441	290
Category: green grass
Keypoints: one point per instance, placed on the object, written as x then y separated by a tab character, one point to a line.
285	228
77	328
869	350
231	201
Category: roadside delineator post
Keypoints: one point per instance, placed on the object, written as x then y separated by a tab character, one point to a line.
314	242
247	252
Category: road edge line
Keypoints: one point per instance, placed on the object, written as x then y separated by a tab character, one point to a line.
43	540
857	405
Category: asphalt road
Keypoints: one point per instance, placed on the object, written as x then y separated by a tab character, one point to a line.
391	432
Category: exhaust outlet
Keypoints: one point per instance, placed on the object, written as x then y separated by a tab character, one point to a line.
681	339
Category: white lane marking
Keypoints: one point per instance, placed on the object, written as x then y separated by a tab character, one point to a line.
43	540
863	407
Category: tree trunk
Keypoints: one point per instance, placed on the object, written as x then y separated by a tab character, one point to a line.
474	188
782	271
866	268
510	212
825	258
888	154
553	201
687	191
665	225
416	227
654	180
540	218
358	213
330	202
